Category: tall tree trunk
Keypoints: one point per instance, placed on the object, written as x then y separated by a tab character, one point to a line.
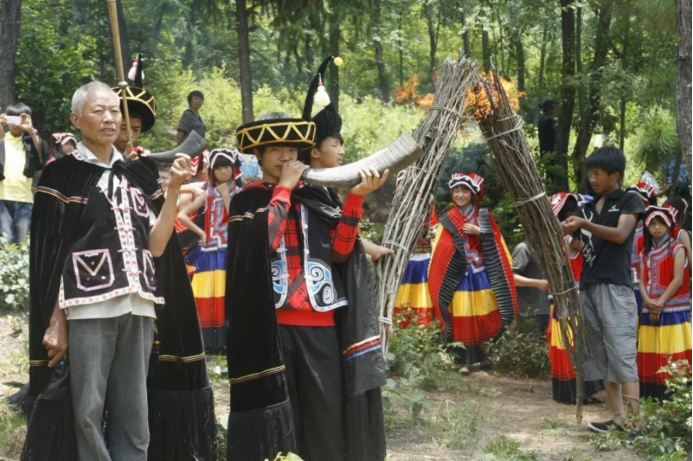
432	37
379	59
624	63
683	79
333	87
520	56
601	50
485	50
542	59
565	117
246	79
465	37
401	52
583	118
10	19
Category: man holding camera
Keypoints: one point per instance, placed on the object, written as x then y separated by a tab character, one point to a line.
21	156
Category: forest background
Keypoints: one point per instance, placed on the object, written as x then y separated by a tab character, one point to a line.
609	65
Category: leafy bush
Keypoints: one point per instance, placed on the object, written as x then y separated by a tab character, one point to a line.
14	275
521	351
666	425
417	352
418	360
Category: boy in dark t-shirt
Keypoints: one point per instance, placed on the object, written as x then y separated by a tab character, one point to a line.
606	227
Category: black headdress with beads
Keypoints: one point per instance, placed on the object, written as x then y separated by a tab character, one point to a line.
328	122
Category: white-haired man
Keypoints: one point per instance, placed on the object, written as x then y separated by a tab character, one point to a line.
101	222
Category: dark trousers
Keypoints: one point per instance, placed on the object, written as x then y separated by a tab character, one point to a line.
314	378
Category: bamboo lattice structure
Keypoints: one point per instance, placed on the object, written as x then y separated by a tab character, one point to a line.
413	196
514	164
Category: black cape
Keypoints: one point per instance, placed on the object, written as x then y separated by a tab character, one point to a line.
260	421
181	406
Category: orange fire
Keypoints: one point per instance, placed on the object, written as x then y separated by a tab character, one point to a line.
478	101
406	94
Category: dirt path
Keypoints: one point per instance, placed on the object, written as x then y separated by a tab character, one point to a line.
519	410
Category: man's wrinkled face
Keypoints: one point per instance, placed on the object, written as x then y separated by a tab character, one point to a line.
100	118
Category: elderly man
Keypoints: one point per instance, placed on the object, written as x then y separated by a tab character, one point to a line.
101	260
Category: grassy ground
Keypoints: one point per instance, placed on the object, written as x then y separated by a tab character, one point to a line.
481	417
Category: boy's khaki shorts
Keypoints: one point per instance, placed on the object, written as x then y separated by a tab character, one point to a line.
610	316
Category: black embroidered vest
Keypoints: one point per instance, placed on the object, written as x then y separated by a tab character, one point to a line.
325	288
111	258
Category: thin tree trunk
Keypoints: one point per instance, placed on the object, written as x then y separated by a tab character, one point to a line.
432	38
486	50
601	50
542	59
333	87
624	63
567	89
583	118
379	60
683	80
503	68
465	37
520	56
10	20
401	53
246	79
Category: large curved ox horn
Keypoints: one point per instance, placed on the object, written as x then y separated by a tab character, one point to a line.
401	153
192	145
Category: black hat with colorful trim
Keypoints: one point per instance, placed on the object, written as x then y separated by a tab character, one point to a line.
139	100
291	132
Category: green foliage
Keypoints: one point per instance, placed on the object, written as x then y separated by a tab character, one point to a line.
459	426
666	425
521	351
417	353
417	361
658	138
14	276
505	449
12	430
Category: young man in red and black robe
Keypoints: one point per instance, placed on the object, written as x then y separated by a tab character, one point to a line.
304	354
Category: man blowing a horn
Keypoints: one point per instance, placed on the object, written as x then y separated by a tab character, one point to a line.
305	364
108	282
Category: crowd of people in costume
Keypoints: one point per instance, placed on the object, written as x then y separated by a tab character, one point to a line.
630	259
271	272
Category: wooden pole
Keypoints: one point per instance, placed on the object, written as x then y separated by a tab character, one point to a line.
122	84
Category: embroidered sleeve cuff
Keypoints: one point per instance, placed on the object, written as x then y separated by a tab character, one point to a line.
353	205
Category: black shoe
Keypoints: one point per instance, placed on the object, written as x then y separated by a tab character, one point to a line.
604	427
632	435
592	401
